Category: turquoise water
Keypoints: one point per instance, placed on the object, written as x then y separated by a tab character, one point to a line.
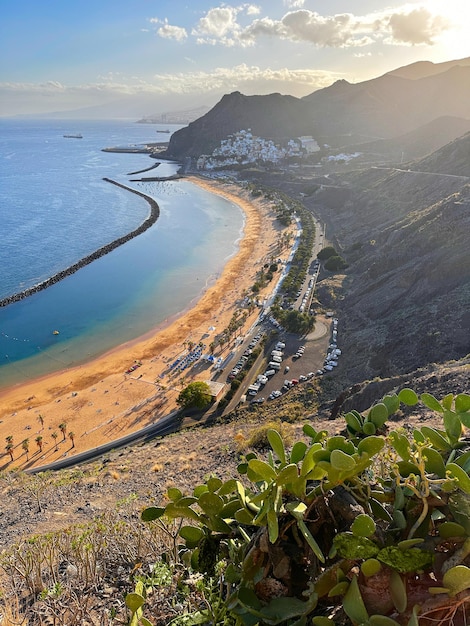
56	210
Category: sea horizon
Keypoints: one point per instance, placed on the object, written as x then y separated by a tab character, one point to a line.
129	291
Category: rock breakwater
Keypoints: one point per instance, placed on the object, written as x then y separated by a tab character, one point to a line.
109	247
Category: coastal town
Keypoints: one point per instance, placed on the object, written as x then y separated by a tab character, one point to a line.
244	148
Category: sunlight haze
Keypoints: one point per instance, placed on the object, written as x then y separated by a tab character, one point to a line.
148	56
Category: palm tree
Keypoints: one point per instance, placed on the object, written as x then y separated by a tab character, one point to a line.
72	437
63	430
54	436
25	446
9	439
41	421
9	448
38	440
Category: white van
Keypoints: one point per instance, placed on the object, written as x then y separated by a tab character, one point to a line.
276	359
277	353
269	373
274	366
280	345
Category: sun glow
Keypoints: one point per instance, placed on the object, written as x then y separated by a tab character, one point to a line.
454	42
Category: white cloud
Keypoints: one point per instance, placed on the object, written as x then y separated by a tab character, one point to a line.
221	26
172	32
294	4
417	27
167	31
252	9
54	96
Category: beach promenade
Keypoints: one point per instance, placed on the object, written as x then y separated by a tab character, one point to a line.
134	384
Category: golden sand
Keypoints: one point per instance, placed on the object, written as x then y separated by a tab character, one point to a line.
98	401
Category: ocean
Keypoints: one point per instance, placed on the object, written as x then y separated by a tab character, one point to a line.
55	209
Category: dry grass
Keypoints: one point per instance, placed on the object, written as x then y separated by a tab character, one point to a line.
257	438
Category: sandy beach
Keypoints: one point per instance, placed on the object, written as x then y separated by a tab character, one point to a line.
132	385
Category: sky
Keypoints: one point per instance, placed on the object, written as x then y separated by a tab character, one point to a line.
146	57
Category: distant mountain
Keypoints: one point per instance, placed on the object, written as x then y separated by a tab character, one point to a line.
421	69
341	115
417	143
132	107
175	117
389	106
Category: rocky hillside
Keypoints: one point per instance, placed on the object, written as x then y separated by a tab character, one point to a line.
405	298
274	116
417	143
340	115
453	159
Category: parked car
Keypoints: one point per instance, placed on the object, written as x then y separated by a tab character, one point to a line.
286	369
302	378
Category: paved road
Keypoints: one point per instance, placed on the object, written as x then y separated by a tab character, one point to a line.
164	426
397	169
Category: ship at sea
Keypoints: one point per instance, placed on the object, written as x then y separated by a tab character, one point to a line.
76	136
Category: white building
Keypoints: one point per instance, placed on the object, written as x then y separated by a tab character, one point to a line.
243	148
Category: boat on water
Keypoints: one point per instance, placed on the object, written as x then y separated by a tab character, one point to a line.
163	130
76	136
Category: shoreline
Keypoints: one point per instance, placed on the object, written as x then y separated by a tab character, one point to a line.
149	221
97	399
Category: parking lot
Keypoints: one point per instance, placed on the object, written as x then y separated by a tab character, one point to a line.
295	365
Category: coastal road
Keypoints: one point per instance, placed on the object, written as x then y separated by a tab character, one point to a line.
396	169
164	426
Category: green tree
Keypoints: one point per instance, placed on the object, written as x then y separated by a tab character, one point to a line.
325	253
335	263
63	430
25	446
9	448
196	395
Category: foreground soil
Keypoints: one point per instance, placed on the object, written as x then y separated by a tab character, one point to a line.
109	494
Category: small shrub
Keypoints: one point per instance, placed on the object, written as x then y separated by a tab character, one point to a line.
258	437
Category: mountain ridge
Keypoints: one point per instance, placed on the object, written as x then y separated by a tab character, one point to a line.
339	115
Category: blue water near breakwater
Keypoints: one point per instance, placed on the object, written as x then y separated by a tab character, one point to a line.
55	209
